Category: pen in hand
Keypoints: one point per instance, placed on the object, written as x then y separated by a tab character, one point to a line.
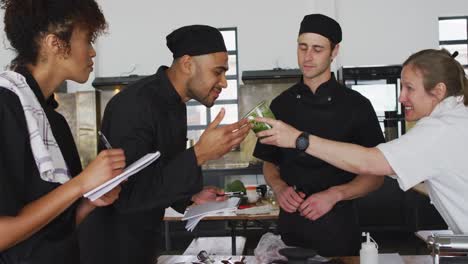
104	140
229	194
106	143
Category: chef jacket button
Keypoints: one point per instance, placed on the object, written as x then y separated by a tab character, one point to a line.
298	96
329	98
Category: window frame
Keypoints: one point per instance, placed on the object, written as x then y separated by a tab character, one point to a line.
455	42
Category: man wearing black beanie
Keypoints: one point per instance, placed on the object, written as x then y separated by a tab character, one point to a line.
151	115
316	197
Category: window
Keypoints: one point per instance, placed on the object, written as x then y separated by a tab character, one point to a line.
199	116
453	36
381	85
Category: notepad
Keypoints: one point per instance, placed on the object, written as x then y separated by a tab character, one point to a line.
195	213
133	168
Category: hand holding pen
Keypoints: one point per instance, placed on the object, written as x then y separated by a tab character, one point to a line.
105	141
231	194
115	158
209	194
108	164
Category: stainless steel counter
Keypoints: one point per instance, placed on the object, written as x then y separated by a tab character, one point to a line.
232	160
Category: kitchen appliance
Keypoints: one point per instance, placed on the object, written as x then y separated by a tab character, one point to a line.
107	87
448	248
381	85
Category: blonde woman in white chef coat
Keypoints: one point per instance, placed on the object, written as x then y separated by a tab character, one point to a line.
434	93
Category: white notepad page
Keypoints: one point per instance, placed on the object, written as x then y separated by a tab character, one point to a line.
196	213
211	207
133	168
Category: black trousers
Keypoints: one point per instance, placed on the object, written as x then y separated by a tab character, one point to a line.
336	233
110	237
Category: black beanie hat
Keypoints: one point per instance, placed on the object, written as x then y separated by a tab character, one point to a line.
322	25
195	40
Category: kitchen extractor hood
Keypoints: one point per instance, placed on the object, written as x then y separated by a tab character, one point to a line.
276	73
110	83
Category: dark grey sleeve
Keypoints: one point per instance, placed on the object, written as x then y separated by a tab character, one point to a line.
166	181
368	131
14	142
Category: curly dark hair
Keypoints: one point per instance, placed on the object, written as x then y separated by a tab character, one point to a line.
27	21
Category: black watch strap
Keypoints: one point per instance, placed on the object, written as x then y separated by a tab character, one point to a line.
302	141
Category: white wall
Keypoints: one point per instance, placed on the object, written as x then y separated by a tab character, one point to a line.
387	32
267	31
6	55
374	31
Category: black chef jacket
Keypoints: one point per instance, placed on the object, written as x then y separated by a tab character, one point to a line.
148	115
333	112
20	182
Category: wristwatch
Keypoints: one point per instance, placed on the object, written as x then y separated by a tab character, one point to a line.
302	141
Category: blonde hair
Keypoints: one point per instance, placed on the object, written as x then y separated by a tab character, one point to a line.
438	66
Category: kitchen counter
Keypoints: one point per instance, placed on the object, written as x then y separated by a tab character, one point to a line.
232	160
170	259
233	163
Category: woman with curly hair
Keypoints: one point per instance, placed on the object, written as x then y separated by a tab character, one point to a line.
41	179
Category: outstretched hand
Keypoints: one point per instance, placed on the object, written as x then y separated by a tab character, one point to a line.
280	135
209	194
218	140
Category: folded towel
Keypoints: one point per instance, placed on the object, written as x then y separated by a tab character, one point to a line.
46	152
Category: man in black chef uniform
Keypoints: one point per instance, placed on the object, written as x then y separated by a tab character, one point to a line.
151	115
315	197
